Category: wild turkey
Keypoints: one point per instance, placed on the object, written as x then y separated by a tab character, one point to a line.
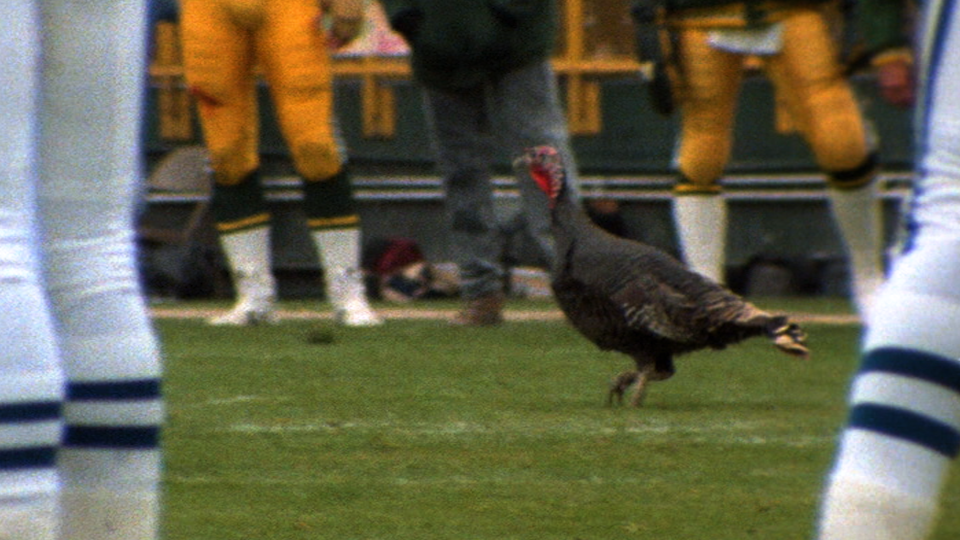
630	297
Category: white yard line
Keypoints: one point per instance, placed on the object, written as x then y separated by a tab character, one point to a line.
743	433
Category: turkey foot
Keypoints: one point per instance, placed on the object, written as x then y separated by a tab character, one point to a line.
637	379
619	385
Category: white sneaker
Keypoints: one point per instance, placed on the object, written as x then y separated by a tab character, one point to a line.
256	294
245	314
348	296
357	313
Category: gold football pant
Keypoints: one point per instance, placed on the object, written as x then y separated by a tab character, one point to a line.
224	41
805	73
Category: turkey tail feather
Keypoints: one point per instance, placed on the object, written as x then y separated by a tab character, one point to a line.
791	339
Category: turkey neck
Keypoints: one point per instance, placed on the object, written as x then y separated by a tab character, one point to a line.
569	223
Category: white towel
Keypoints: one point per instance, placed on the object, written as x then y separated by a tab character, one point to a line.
762	41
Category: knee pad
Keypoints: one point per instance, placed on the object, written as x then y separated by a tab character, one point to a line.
317	161
702	158
233	160
858	177
329	204
837	134
240	205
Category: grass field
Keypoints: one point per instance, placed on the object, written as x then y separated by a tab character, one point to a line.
417	430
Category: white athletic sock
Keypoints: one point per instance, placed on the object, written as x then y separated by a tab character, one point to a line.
110	462
110	494
857	509
29	517
30	430
248	256
31	391
111	455
701	221
895	451
339	249
858	214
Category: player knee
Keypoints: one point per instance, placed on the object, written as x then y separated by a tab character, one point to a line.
837	134
232	164
703	156
317	161
857	177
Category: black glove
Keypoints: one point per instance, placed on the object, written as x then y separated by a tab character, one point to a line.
647	32
650	49
659	90
407	22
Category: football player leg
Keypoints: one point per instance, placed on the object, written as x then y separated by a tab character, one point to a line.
857	210
89	169
335	229
218	63
707	97
298	69
810	79
904	423
31	381
903	431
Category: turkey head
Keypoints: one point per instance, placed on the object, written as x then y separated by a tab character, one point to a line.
546	168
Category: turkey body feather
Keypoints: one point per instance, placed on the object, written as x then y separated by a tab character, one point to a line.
630	297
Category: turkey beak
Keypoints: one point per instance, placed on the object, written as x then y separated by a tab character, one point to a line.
522	162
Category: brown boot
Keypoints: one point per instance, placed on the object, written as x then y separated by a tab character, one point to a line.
481	311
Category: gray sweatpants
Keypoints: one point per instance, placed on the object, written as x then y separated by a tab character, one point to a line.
472	131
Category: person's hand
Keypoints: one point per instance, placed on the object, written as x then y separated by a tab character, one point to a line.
343	30
895	79
345	19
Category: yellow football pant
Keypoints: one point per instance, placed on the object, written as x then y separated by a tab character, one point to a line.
806	73
223	42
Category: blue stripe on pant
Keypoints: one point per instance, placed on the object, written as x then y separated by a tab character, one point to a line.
142	389
908	426
99	436
29	454
915	364
28	458
900	422
116	437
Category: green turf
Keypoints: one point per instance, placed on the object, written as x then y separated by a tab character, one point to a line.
416	430
814	304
